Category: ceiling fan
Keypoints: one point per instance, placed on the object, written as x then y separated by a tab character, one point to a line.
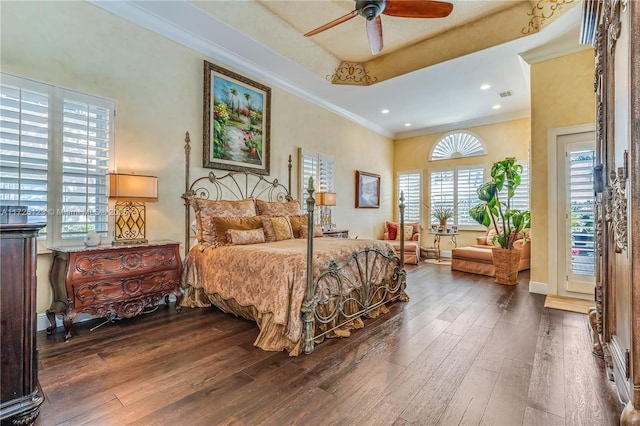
372	9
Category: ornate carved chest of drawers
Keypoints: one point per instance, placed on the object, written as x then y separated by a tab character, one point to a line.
106	280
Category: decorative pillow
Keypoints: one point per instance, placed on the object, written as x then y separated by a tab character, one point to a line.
206	210
222	224
276	208
317	231
408	233
236	237
491	234
277	228
392	230
415	225
298	221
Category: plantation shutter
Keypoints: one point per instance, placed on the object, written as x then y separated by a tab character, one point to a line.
54	156
520	200
85	158
441	190
24	129
325	173
467	196
410	183
320	167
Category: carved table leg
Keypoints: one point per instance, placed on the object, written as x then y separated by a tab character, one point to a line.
51	316
595	337
178	299
67	321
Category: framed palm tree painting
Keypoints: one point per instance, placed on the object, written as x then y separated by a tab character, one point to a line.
237	116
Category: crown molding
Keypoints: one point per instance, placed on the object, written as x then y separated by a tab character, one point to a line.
481	121
562	45
187	25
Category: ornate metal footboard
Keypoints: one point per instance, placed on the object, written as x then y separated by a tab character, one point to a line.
369	279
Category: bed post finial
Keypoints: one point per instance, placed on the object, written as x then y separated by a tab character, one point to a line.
290	165
309	303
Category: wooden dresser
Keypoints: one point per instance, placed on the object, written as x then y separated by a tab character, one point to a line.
112	280
20	394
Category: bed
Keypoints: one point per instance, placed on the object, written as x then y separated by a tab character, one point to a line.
249	249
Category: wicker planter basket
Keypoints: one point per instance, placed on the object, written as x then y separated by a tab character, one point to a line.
506	263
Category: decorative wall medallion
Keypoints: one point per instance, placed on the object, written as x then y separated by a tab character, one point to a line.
352	73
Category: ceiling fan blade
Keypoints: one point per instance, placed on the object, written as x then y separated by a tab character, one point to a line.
417	8
333	23
374	33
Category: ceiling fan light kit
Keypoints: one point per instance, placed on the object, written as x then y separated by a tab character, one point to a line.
372	9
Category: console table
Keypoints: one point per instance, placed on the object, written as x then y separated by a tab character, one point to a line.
436	241
112	280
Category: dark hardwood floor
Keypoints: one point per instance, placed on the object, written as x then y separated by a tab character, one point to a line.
463	350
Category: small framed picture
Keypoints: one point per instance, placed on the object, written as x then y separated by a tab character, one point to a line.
454	229
440	229
434	228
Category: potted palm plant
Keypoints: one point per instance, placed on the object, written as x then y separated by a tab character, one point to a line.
495	209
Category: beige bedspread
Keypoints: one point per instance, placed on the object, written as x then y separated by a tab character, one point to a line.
267	282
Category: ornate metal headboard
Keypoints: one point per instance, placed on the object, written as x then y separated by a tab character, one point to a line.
229	186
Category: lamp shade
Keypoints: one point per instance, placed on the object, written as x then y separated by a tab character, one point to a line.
133	186
326	198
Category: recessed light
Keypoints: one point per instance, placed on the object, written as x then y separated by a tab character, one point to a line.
485	87
496	107
385	111
407	124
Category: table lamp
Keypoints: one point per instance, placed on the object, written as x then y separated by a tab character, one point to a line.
326	200
129	211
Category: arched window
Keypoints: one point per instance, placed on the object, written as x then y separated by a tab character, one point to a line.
457	144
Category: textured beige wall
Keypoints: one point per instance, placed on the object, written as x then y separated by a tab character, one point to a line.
507	139
158	88
561	95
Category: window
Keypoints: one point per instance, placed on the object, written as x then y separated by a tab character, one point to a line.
54	156
457	144
410	183
520	200
320	167
456	188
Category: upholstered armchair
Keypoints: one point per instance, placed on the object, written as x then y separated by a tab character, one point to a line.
478	258
411	240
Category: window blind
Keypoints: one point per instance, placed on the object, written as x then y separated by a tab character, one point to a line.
441	191
320	167
410	184
468	181
456	189
24	130
85	159
54	156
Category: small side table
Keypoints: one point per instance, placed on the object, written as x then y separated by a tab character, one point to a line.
344	233
436	241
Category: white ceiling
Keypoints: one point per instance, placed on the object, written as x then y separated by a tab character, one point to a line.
441	97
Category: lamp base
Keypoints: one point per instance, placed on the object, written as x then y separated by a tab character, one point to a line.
129	242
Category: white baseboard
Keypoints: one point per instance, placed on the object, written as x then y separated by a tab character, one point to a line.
538	288
43	321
